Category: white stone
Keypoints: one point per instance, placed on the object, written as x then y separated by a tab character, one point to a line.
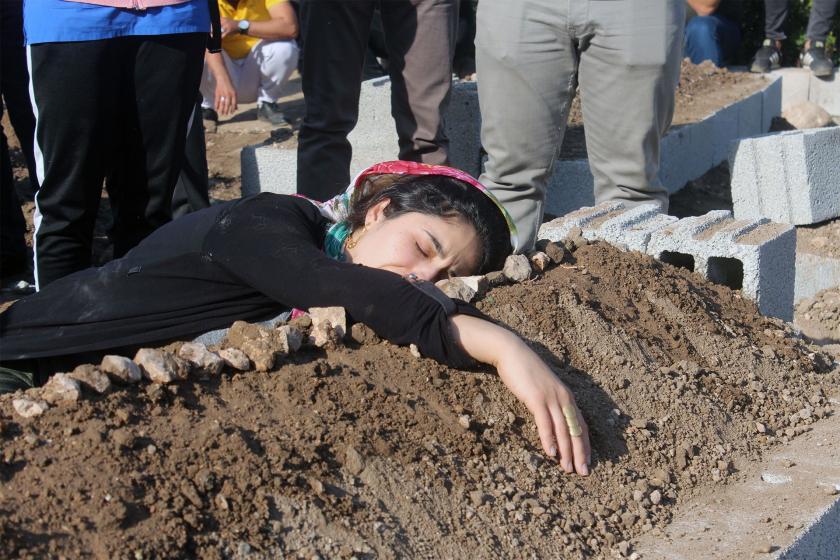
456	288
61	388
29	408
290	338
807	114
235	358
159	366
203	360
517	268
336	317
121	368
90	377
478	284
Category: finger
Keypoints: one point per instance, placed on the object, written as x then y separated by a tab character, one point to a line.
561	434
546	431
580	447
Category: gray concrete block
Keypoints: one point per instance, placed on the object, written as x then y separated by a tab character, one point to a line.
815	273
825	93
674	170
626	228
755	256
269	168
559	228
796	83
570	186
374	138
632	229
274	168
771	104
790	177
750	117
725	130
820	541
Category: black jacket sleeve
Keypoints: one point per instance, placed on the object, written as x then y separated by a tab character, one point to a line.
273	243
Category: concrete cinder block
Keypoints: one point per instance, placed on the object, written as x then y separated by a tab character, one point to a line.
375	137
790	177
674	171
820	541
627	228
771	103
269	168
632	229
559	228
755	256
570	186
750	118
815	273
274	168
825	92
795	84
725	130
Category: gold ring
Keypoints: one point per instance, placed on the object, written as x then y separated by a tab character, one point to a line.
570	413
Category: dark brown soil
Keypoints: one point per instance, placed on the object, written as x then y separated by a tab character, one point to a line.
360	452
702	90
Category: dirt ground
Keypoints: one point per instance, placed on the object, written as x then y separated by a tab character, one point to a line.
360	452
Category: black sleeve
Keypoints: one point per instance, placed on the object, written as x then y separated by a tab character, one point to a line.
273	244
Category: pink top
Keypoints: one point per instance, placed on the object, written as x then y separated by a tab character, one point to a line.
131	4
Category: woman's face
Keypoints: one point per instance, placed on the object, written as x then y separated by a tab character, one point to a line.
431	247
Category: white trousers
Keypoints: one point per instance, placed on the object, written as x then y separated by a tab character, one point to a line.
260	76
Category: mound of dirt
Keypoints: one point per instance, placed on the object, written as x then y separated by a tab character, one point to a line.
372	452
819	318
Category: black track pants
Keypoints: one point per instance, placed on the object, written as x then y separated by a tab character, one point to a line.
117	108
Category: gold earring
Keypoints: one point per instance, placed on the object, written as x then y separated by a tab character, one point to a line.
351	243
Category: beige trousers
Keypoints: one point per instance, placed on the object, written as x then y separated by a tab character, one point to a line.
530	57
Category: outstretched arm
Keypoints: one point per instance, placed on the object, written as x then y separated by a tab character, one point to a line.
533	383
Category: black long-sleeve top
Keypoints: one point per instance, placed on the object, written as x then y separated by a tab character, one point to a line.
249	260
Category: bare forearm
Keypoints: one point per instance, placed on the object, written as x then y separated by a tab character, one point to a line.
275	29
216	65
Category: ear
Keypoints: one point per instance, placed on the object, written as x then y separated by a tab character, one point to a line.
376	213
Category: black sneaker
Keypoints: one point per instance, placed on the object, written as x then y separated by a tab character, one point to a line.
271	113
209	114
815	59
767	58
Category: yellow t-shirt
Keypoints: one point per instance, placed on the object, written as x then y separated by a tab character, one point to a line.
238	45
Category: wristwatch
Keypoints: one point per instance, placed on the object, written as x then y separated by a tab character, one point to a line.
244	26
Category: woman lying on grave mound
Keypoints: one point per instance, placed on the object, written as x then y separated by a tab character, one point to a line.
374	250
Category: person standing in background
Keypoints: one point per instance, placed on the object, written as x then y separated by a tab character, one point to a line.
111	85
714	33
530	57
813	56
14	87
420	37
259	54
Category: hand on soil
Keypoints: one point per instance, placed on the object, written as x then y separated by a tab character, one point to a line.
533	383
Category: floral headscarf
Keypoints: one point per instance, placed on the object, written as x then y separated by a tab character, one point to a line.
337	209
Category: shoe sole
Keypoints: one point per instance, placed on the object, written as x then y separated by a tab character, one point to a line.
823	73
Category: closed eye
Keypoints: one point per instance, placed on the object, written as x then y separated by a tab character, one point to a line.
422	252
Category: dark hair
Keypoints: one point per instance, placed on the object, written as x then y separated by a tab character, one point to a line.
438	195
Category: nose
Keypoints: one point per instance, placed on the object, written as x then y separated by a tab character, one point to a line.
431	272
